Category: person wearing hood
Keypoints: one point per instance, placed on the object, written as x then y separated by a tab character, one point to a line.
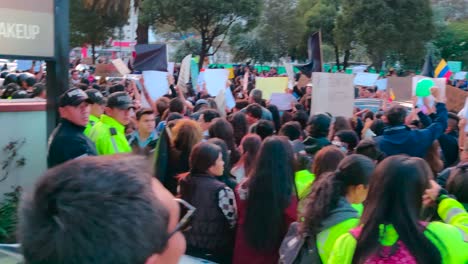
332	208
400	139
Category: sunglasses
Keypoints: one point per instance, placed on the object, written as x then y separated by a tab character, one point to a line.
185	222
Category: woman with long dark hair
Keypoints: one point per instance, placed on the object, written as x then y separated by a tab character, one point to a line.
220	128
328	212
240	126
212	232
391	230
276	116
267	204
249	147
227	178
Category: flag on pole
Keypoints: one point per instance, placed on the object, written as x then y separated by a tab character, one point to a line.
443	70
428	68
314	51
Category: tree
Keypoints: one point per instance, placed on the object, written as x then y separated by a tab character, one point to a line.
189	46
209	18
275	36
452	41
396	30
88	27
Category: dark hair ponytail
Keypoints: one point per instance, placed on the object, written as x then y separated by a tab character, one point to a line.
329	188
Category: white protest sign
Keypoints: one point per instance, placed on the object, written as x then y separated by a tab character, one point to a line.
359	69
170	67
282	100
121	67
332	93
220	100
230	100
156	83
460	76
464	113
184	74
25	65
382	84
366	79
215	80
439	83
290	71
245	81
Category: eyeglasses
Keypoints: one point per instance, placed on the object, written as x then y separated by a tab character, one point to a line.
185	221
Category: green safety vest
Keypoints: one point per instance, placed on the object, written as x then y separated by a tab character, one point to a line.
451	237
92	121
304	180
109	136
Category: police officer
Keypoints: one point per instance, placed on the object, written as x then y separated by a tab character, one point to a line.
109	133
97	108
67	140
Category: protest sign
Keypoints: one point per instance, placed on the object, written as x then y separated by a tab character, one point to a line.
438	82
121	67
215	80
455	98
460	76
454	66
245	81
184	74
303	81
271	85
170	67
282	100
231	73
372	104
230	100
25	65
382	84
156	83
401	87
220	100
194	71
358	69
106	70
290	71
366	79
332	93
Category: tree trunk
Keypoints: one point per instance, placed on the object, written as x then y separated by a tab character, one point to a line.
346	58
93	52
142	33
337	57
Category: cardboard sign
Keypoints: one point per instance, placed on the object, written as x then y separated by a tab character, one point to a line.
439	83
366	79
156	83
382	84
184	74
220	100
230	100
303	81
282	100
121	67
215	80
106	70
332	93
460	76
271	85
401	87
455	98
170	67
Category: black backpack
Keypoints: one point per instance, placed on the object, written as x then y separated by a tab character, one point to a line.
298	248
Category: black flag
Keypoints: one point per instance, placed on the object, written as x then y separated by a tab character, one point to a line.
428	68
314	54
150	57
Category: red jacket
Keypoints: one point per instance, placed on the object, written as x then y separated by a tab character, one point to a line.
243	253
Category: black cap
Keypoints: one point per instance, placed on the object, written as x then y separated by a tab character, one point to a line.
73	97
120	100
21	94
95	96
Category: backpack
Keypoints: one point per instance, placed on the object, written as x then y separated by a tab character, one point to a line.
298	249
395	254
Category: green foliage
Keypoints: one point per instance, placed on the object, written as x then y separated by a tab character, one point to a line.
275	36
390	30
452	41
189	46
209	18
8	215
89	26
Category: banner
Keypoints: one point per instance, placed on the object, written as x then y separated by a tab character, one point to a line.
156	83
216	80
332	93
121	67
282	100
150	57
271	85
184	74
439	83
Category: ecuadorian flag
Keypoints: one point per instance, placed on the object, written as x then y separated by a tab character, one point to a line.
442	70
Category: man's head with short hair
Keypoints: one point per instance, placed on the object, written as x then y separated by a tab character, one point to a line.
291	130
396	115
176	105
264	129
146	121
206	116
319	125
253	113
255	96
74	106
118	107
75	74
106	209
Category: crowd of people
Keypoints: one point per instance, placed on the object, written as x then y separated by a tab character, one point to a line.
248	185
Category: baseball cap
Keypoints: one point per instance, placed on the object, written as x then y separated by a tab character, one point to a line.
21	94
120	100
73	97
95	96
